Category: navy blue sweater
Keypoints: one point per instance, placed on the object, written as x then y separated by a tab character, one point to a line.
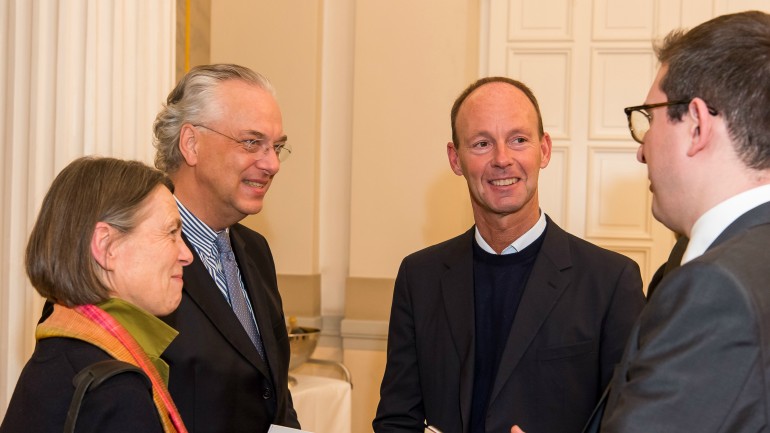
498	283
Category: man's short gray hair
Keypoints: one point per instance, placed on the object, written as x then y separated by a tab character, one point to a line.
191	101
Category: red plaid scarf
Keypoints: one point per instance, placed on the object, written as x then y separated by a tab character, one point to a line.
91	324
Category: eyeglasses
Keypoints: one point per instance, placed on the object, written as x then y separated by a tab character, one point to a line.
639	118
255	145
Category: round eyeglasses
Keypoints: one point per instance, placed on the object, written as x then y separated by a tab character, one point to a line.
639	117
257	145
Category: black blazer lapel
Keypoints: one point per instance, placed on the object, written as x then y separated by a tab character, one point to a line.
457	291
203	291
544	287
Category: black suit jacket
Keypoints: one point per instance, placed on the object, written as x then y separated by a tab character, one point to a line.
673	261
122	404
697	359
217	378
573	320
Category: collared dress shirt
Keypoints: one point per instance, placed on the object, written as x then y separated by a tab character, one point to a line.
712	223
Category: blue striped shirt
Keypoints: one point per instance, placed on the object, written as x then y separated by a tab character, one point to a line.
202	238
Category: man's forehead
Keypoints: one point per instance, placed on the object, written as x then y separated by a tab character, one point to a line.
502	100
496	95
238	99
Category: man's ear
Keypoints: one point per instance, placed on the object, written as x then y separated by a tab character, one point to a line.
545	150
100	244
454	158
701	126
188	144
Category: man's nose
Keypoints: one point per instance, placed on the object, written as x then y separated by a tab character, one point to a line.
501	155
269	161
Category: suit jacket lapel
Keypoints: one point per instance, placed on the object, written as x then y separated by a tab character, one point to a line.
457	291
758	215
203	291
256	287
544	287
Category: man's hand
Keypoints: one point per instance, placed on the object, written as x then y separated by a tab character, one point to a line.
516	429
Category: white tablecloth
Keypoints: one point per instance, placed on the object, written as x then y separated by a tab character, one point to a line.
322	404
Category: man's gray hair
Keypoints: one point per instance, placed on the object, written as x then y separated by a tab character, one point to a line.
191	101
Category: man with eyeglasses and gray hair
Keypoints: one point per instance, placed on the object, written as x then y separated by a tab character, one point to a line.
220	138
698	359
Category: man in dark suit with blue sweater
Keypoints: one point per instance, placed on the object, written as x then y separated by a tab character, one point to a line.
515	321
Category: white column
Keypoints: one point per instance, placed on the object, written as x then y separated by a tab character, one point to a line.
335	158
77	77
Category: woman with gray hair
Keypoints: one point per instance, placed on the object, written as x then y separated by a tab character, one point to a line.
107	251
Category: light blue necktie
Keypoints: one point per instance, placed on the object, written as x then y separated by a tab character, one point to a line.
237	298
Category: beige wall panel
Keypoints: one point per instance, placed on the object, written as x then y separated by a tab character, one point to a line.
411	60
623	20
368	298
301	294
539	20
553	185
674	14
619	78
289	218
367	368
618	201
731	6
547	73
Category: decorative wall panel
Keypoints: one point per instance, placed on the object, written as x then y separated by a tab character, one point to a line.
547	73
618	197
674	14
619	78
623	20
530	20
731	6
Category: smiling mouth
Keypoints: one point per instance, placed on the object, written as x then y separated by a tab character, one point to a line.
254	184
505	182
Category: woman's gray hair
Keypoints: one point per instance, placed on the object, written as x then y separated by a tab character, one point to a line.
192	101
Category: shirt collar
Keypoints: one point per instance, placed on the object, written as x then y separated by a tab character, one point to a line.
200	235
712	223
519	244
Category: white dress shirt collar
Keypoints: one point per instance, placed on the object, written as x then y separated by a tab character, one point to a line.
519	244
712	223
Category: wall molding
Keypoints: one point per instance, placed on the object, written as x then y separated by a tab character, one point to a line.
364	334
